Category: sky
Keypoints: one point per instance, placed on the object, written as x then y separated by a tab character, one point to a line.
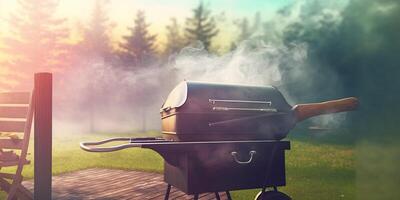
158	13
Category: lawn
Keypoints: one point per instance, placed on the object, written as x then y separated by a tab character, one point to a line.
314	170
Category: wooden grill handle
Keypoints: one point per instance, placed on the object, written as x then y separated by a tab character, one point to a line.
305	111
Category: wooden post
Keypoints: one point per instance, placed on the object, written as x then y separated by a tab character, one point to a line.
43	136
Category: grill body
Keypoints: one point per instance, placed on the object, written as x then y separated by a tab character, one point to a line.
220	137
196	111
198	167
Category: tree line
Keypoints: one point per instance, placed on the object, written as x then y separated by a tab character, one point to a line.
358	43
39	40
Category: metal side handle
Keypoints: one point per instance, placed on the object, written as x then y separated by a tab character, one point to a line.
245	109
214	101
234	155
93	146
241	119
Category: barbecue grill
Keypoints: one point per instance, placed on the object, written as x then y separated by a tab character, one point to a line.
220	137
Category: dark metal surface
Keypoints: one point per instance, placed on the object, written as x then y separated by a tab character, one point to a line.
166	197
212	166
197	111
198	167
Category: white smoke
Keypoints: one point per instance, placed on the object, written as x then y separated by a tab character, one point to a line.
253	62
103	98
100	97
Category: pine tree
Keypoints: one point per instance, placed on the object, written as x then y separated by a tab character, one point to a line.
246	31
175	41
139	46
36	41
201	26
96	39
256	22
95	47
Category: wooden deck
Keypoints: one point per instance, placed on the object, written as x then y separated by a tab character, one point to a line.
109	184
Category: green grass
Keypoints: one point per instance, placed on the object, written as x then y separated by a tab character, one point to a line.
377	165
314	170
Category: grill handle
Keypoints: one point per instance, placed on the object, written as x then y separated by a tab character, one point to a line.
305	111
131	142
245	109
234	155
214	101
241	119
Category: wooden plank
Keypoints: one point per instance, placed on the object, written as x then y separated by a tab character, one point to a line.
115	184
11	143
23	193
13	112
7	176
12	126
4	185
13	163
14	97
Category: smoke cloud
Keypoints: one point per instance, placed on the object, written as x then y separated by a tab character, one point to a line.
99	97
253	62
103	98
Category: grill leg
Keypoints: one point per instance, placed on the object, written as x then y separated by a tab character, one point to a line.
217	196
228	195
196	197
167	192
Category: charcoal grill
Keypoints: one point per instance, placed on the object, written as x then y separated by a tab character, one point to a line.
219	137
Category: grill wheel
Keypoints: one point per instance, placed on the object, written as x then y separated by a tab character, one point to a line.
272	195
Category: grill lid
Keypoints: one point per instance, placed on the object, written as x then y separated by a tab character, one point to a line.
193	96
176	97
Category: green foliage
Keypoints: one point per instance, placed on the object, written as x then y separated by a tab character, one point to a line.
201	26
361	49
140	44
247	28
36	41
175	41
358	47
96	39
